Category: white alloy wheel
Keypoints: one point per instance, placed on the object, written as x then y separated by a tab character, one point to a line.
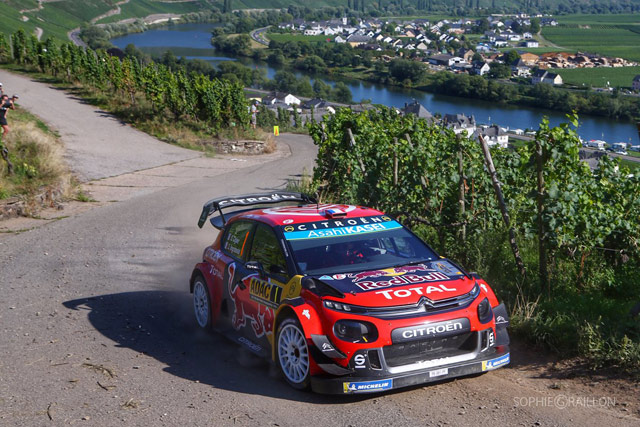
293	353
201	303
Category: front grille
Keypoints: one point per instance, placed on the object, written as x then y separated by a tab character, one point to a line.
422	307
429	349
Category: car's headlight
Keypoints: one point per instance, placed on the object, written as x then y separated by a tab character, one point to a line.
337	305
355	331
475	291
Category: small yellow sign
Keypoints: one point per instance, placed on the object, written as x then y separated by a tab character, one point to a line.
276	130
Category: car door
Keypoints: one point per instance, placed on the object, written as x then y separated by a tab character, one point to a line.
236	276
266	288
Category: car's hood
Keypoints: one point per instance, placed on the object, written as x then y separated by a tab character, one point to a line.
435	280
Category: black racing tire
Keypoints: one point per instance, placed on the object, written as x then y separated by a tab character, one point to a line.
201	302
292	354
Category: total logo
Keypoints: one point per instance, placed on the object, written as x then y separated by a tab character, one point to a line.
367	386
419	290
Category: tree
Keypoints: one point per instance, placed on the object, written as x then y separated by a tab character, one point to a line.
535	25
499	71
511	56
342	93
285	81
402	69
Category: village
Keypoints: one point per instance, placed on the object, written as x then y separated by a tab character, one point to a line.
462	46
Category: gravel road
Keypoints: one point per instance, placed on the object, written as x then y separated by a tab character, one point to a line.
96	323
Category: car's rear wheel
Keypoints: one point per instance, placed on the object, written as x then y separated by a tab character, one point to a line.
201	303
293	353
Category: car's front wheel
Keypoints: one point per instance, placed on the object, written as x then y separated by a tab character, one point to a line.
293	353
201	303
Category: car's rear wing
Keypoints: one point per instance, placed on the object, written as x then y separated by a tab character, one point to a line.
220	203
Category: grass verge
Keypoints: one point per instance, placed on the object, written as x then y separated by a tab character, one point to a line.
36	154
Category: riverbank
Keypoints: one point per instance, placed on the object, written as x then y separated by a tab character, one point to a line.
329	58
192	41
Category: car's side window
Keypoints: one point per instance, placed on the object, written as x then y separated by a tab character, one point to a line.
236	241
265	248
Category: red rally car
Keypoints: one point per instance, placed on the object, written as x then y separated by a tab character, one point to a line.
344	299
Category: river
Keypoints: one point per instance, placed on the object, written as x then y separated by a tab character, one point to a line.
193	41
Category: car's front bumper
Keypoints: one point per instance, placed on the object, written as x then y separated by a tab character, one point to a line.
376	381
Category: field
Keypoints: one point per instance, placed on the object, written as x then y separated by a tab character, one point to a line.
142	8
600	19
609	35
297	37
262	4
598	77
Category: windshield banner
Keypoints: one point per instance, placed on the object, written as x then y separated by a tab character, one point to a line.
341	227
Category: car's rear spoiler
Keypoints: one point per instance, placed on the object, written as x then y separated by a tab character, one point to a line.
218	204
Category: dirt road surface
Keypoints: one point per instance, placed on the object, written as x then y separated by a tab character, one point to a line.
96	324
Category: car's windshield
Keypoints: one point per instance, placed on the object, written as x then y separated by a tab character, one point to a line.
349	249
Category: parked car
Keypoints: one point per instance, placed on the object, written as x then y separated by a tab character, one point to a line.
619	148
344	299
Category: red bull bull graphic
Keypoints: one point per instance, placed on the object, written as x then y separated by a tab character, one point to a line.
260	316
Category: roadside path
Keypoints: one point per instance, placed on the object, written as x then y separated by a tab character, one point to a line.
98	145
115	11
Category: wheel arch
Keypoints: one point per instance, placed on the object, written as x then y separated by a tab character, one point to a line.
304	313
198	271
215	292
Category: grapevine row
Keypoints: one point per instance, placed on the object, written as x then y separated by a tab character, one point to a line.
216	102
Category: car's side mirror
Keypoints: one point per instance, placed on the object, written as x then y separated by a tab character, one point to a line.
256	266
277	269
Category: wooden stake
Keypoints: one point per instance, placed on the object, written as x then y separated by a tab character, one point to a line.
503	206
353	145
542	251
395	162
461	208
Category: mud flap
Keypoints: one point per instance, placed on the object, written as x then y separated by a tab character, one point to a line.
502	322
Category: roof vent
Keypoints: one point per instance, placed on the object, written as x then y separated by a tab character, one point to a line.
334	213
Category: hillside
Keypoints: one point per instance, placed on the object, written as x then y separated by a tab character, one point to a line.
56	17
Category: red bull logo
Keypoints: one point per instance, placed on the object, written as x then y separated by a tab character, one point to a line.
401	280
397	271
260	316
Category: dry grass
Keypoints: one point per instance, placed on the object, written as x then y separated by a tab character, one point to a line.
37	157
270	144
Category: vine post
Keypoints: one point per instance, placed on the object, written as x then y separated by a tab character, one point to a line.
503	207
542	253
463	227
395	163
352	142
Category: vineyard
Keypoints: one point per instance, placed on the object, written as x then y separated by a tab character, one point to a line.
598	77
605	39
213	103
576	230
